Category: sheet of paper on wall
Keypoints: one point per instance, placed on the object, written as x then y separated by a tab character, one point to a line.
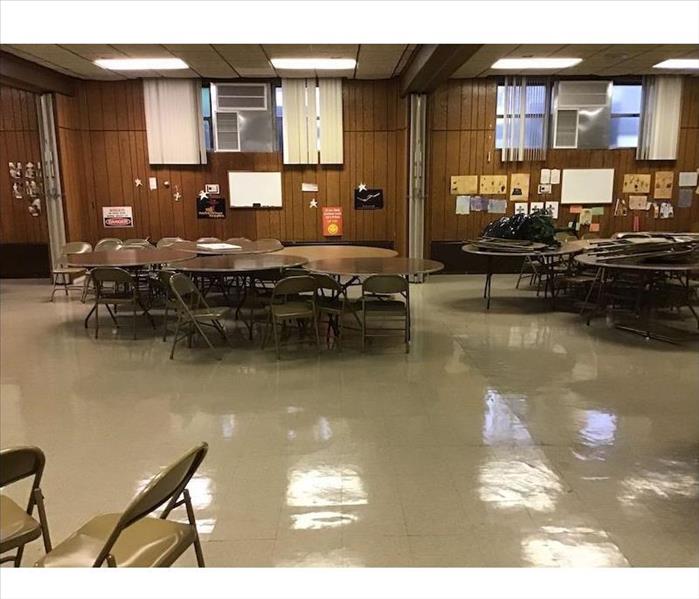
493	185
634	183
544	188
463	204
585	216
521	208
597	210
479	204
594	227
309	187
545	177
497	206
663	185
519	187
152	183
666	210
688	179
555	176
463	184
552	209
638	202
536	206
575	209
684	199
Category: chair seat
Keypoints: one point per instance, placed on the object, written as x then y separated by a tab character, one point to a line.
16	526
69	270
211	313
292	309
148	543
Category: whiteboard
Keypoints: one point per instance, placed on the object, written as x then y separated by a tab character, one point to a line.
255	190
587	186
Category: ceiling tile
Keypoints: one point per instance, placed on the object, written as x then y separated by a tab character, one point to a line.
379	61
248	60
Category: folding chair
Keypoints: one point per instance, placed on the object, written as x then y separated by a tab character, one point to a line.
134	538
332	300
17	526
375	303
63	275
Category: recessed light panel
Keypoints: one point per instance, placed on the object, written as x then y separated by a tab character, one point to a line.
315	64
678	63
514	64
141	64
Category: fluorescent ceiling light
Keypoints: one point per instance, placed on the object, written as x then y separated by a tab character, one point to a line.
678	63
535	63
315	64
141	64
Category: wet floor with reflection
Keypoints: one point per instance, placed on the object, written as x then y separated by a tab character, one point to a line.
517	437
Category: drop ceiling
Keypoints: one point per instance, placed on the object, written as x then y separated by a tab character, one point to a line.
374	61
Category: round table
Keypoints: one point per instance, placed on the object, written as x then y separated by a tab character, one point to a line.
241	263
322	251
359	267
647	271
128	258
262	246
547	258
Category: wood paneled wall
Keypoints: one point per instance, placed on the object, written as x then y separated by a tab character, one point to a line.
102	144
462	142
19	142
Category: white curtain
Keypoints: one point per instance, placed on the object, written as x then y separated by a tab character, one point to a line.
330	113
299	121
525	119
660	118
174	123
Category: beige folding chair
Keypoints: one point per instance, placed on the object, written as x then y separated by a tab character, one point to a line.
134	539
137	244
64	275
332	300
208	240
108	244
274	243
286	305
167	241
17	526
378	300
238	241
193	312
115	287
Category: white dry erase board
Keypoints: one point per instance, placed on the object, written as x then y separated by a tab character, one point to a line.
255	190
587	186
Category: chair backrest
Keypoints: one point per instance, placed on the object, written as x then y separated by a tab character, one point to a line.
167	241
166	486
110	243
186	294
18	463
385	284
136	243
238	240
294	285
111	274
326	283
76	247
208	240
275	243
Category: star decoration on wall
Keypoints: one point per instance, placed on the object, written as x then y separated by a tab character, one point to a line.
138	182
362	187
203	195
313	203
177	196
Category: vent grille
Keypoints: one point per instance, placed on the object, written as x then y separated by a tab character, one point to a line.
227	131
566	133
241	96
574	94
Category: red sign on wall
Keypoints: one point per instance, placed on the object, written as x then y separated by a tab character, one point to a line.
332	221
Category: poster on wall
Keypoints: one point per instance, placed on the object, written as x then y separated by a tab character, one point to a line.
211	207
332	221
368	199
519	187
117	217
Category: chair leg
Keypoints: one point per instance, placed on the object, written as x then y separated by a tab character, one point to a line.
39	500
97	320
116	324
315	326
276	336
363	332
55	283
174	339
165	322
193	522
18	557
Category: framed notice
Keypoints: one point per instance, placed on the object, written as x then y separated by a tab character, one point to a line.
332	221
368	199
211	207
117	217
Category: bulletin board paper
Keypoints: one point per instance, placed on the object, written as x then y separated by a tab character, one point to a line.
587	186
519	187
493	184
662	189
255	190
463	184
636	183
521	208
688	179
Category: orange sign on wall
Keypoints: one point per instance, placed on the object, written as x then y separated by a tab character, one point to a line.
332	221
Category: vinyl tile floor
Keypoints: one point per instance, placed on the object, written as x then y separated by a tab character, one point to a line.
515	437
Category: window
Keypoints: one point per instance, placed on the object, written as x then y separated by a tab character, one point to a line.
626	116
279	115
535	109
206	116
